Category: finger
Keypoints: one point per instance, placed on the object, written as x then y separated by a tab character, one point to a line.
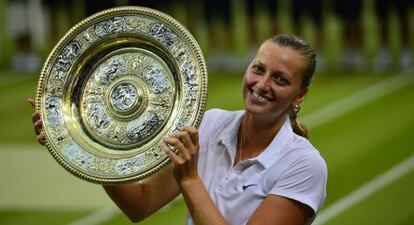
41	138
38	126
35	116
186	139
178	135
174	157
193	133
183	152
31	101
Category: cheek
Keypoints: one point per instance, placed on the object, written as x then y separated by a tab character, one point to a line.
287	96
247	82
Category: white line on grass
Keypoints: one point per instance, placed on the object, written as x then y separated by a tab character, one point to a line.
360	98
97	217
365	191
326	114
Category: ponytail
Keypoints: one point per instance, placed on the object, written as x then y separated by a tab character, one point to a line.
297	127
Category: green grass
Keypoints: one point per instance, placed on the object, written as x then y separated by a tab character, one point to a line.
356	146
15	112
367	141
391	205
174	215
41	217
327	88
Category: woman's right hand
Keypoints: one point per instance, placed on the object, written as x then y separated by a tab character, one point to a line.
37	123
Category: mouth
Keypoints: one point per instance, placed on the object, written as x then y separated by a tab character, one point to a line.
260	97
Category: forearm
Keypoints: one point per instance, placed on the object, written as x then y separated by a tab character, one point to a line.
199	203
140	200
129	198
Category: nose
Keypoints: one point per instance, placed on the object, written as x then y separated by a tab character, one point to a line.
263	83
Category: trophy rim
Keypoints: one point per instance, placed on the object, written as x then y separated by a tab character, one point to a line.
126	10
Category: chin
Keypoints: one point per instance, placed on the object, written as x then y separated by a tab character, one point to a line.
256	110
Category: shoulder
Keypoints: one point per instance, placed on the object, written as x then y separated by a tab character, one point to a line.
306	152
303	175
215	121
304	157
214	118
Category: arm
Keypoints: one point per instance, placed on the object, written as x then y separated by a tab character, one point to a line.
278	210
137	200
297	194
199	203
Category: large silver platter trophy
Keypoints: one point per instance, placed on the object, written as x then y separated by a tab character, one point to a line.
113	87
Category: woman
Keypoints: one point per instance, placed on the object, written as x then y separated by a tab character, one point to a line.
245	167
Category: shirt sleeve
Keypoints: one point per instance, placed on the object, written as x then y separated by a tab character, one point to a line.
304	180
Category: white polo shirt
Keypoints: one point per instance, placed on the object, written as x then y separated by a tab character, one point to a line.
290	166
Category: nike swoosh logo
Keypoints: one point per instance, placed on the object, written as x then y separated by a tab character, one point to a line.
244	187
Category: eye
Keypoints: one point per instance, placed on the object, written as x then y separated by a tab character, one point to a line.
281	80
257	69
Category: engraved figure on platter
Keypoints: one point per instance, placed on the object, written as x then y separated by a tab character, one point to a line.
114	25
124	96
109	72
190	77
70	52
97	116
143	128
53	112
156	78
163	34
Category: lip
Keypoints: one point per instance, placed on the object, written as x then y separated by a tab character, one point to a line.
258	98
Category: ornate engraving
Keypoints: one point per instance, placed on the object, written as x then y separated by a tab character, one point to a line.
102	166
78	156
190	76
137	24
162	102
124	96
143	127
163	34
130	165
139	76
99	119
156	78
110	71
68	56
54	114
115	77
114	25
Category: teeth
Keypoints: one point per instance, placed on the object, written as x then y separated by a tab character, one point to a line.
259	97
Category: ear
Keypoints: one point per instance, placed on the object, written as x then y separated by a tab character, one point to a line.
301	96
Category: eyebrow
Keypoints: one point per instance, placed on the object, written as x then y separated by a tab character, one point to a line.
256	61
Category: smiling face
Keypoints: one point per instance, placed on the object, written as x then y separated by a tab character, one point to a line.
273	80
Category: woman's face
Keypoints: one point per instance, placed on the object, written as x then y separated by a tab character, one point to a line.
272	82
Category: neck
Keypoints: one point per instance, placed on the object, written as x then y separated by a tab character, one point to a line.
256	133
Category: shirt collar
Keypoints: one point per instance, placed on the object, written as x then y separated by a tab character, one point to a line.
228	136
270	154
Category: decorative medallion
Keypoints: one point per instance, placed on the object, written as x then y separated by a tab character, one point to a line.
113	87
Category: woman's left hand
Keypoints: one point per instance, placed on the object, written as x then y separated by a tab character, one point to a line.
186	159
